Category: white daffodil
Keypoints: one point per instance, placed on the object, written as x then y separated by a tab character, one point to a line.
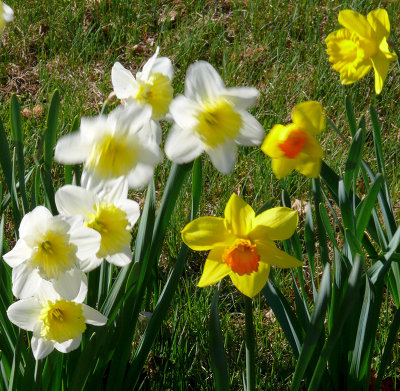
107	211
49	248
56	320
211	118
6	15
111	147
151	87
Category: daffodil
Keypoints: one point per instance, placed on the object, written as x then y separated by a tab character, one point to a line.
49	248
57	322
109	212
111	147
211	118
6	15
361	45
151	87
242	244
294	146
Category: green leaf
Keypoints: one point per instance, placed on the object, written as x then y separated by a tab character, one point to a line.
354	159
351	118
5	157
51	130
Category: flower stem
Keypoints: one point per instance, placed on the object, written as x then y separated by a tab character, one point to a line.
250	347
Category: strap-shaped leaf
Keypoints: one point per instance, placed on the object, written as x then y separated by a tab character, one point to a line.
354	159
51	130
351	118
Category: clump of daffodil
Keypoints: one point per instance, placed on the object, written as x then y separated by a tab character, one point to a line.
6	15
111	147
294	146
50	248
57	322
212	118
361	45
109	212
242	244
151	87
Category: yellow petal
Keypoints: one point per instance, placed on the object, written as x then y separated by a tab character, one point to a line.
309	166
214	269
271	255
313	148
239	216
203	233
381	68
275	224
283	166
355	22
251	285
379	21
270	145
310	116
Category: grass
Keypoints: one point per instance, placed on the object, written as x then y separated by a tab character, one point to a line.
276	46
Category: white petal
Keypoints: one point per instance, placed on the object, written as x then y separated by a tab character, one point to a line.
251	132
151	133
71	149
184	112
140	176
147	68
124	83
72	285
91	263
241	97
26	281
223	156
19	254
70	345
74	200
129	118
35	221
41	347
203	82
94	128
8	13
87	240
121	259
93	316
163	65
132	210
115	190
182	146
25	313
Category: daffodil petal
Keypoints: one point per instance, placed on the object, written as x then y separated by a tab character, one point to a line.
124	83
251	285
270	145
275	224
241	97
203	82
19	254
164	66
75	200
283	166
271	255
41	347
223	156
355	22
38	217
379	20
381	68
68	346
25	313
239	216
122	258
25	281
310	116
204	232
93	316
71	149
309	166
214	268
251	132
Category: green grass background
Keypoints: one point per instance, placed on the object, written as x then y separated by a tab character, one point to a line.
275	46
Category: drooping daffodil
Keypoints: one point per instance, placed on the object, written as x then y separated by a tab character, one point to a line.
361	45
50	248
109	212
242	244
211	118
110	147
294	146
150	88
6	15
56	320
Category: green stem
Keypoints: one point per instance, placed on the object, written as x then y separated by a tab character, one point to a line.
250	346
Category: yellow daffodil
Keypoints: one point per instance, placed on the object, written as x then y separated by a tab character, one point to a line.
242	244
361	45
294	146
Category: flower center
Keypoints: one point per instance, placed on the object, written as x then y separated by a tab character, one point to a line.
293	143
242	257
111	223
113	156
54	255
157	92
62	320
218	121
